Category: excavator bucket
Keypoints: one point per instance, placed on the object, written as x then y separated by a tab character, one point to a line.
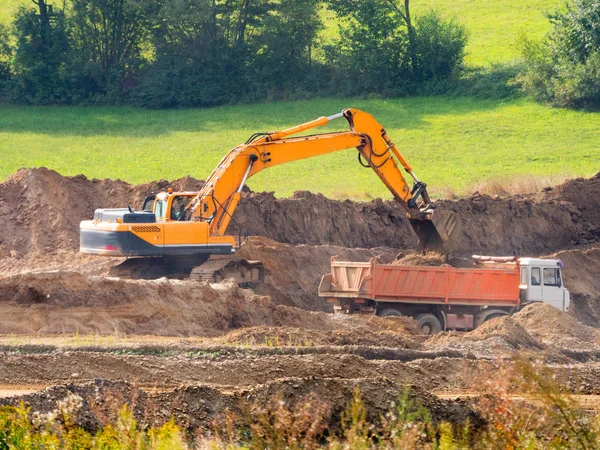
438	233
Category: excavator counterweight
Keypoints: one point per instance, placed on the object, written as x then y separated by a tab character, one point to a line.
176	233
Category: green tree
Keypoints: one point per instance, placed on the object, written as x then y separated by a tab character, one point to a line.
209	52
564	68
108	38
382	50
5	58
41	58
284	50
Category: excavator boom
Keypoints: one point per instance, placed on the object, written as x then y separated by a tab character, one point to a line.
216	202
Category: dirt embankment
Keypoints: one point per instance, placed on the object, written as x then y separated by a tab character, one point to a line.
69	302
196	408
40	212
294	272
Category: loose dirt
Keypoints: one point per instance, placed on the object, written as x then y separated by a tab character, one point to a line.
40	212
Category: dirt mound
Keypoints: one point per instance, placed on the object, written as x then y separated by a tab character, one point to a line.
40	212
497	337
556	327
583	193
69	302
581	269
491	225
197	407
294	272
408	258
349	330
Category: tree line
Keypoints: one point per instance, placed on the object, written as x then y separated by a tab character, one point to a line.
193	53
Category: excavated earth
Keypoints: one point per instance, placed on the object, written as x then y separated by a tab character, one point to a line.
195	350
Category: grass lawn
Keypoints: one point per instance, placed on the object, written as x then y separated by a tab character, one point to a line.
451	142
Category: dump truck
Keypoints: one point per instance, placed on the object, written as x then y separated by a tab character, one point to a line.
445	298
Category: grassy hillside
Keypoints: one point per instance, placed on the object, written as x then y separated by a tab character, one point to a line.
493	25
8	8
452	143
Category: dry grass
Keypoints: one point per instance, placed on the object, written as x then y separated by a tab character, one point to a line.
505	186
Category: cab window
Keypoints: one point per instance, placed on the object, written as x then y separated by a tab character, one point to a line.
523	275
536	276
160	209
149	203
551	277
179	207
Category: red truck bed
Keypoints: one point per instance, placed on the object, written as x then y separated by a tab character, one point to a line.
420	284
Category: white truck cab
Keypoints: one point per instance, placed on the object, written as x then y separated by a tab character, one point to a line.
541	281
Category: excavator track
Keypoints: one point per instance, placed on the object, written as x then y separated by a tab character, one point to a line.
245	273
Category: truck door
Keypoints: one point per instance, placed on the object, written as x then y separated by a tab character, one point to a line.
535	285
552	291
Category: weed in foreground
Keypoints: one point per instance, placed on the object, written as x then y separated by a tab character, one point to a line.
542	417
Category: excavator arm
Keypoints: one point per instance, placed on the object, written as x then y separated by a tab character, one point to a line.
219	197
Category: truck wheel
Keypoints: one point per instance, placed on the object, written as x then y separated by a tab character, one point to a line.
389	312
429	324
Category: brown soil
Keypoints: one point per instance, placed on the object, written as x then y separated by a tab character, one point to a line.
276	339
40	212
197	407
69	302
294	272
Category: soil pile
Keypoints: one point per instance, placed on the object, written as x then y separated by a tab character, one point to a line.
350	330
555	327
69	302
495	338
196	408
408	258
294	272
581	269
40	212
522	224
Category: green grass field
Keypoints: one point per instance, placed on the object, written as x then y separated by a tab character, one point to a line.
452	143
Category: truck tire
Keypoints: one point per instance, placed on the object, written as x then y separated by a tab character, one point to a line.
429	324
389	312
489	314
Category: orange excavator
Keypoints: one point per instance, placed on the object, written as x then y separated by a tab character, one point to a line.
176	233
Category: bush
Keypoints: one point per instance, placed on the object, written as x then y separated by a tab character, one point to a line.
440	47
564	69
381	52
42	59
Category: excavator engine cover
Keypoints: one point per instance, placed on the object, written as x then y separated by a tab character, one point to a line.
438	233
